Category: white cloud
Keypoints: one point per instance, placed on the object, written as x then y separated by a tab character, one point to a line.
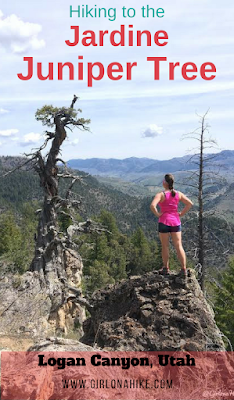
152	131
8	132
72	142
3	111
30	138
18	35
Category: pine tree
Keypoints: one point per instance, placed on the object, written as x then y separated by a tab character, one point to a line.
224	304
98	276
108	220
141	260
105	255
10	235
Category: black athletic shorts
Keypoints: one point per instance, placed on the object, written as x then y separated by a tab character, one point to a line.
162	228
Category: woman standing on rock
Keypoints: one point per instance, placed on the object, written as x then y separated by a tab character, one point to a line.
169	221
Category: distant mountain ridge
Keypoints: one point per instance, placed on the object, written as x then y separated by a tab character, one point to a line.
146	166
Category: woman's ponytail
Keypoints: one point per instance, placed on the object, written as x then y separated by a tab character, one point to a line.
173	193
169	178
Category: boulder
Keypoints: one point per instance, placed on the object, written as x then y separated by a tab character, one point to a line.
153	312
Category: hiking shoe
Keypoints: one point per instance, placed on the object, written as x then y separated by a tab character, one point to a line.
183	273
164	271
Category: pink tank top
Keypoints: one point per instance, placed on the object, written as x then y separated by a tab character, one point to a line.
169	208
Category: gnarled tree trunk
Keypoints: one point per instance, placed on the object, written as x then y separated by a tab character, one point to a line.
54	252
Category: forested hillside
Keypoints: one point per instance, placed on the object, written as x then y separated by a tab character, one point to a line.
130	212
129	246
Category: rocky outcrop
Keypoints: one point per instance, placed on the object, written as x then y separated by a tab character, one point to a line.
26	306
149	312
153	312
143	313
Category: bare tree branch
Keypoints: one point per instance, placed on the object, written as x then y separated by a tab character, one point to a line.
202	178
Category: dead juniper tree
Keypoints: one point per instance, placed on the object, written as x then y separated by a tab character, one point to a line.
203	183
52	246
49	259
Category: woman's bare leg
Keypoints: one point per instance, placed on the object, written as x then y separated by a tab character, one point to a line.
164	238
177	241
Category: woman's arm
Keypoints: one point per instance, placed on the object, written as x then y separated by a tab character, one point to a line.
153	205
188	204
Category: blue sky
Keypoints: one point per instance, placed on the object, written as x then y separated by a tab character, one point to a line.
142	117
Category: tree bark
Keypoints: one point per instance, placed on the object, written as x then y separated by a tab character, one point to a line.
200	206
50	249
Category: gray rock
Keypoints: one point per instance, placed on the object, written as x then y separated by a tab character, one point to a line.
60	344
153	313
26	307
